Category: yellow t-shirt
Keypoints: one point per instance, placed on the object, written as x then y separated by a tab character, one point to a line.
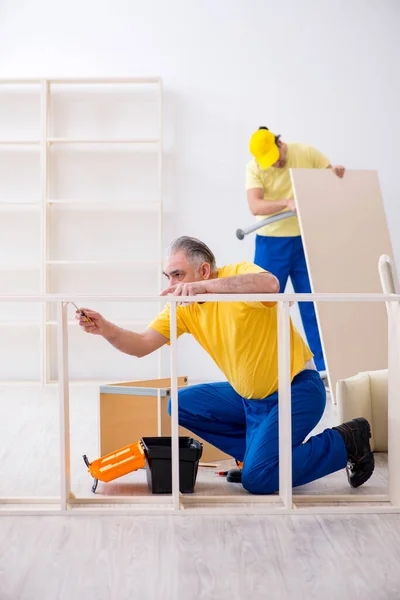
277	185
241	338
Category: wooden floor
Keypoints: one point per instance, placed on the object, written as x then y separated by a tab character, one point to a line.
174	558
182	558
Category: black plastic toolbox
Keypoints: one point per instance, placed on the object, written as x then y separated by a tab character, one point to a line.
159	465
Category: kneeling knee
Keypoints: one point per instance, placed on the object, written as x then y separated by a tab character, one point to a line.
256	482
183	401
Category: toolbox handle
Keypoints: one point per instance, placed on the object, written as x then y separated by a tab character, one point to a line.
95	481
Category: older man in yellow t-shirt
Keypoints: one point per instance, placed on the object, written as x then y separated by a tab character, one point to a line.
279	247
240	415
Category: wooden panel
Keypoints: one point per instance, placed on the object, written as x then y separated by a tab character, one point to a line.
153	383
344	233
125	419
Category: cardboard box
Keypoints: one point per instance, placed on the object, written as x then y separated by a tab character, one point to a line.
135	409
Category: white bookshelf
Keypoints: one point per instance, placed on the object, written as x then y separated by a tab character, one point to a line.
82	165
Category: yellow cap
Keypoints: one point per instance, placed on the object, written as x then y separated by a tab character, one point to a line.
264	148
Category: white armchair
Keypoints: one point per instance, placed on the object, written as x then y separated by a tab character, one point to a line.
366	395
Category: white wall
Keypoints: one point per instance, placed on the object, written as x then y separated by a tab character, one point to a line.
315	71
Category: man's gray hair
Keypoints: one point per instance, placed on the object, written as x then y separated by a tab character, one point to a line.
196	251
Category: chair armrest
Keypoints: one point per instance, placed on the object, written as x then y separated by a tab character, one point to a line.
354	400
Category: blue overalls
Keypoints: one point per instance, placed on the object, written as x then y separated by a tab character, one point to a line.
284	257
248	430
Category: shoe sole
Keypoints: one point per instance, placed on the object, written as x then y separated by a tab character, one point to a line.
368	458
233	479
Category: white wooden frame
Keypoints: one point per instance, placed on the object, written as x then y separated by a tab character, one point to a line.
176	503
43	144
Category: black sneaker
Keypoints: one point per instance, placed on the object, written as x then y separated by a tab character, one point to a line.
235	475
360	465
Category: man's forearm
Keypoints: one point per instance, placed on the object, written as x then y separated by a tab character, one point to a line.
248	283
267	207
126	341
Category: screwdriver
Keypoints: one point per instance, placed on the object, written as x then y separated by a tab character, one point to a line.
81	312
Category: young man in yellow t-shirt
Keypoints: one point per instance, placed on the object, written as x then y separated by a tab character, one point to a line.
279	247
240	415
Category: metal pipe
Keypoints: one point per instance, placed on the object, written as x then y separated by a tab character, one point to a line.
240	233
